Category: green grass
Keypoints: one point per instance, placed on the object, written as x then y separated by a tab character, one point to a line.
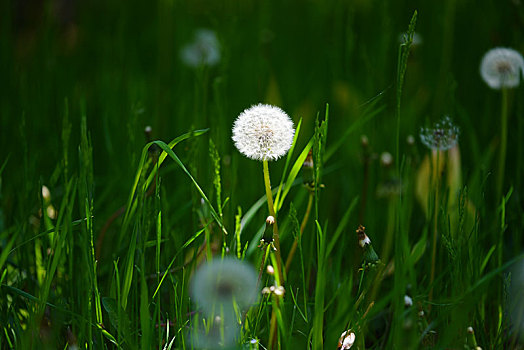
106	261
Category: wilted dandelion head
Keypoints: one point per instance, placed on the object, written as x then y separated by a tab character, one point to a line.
222	283
442	136
203	50
347	339
502	67
263	132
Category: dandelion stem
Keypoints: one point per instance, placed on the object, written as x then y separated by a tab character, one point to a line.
271	207
436	181
278	275
503	143
302	228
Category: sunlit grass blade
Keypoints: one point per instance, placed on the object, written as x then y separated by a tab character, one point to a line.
288	161
293	174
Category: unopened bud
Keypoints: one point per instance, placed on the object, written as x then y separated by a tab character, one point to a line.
279	291
386	159
364	141
46	194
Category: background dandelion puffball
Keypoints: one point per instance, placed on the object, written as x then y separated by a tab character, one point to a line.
501	68
222	283
263	132
204	50
442	136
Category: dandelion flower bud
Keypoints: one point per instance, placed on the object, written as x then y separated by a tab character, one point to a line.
46	194
442	136
370	256
279	291
386	159
501	68
263	132
364	141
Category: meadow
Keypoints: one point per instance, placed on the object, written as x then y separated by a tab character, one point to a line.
131	218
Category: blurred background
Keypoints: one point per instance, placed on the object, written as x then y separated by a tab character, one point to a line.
126	65
123	62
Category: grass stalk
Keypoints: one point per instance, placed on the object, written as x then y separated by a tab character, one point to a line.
302	228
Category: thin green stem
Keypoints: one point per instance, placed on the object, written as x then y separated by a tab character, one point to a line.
276	240
271	207
435	227
302	228
503	143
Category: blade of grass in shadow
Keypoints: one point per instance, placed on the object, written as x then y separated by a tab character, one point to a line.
371	111
7	249
341	226
399	239
318	318
172	154
52	264
188	242
131	203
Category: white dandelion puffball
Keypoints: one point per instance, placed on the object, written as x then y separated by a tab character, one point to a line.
222	283
442	136
204	50
263	132
502	68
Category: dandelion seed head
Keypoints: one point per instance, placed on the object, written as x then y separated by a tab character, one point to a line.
263	132
222	283
203	50
502	68
442	136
